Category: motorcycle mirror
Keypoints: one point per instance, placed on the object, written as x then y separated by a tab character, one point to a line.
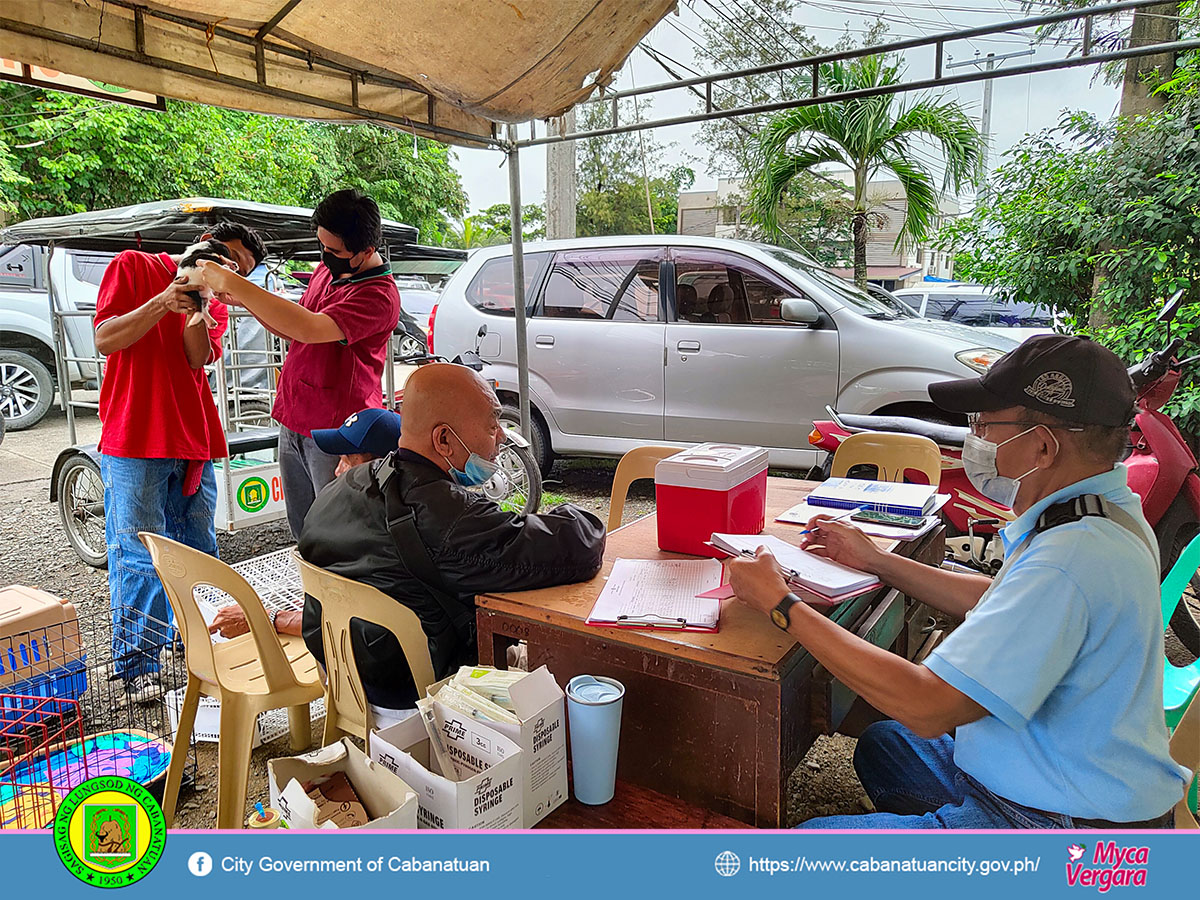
1170	307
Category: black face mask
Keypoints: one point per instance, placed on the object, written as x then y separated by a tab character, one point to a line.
337	265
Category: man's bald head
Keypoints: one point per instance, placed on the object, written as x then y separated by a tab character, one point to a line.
449	412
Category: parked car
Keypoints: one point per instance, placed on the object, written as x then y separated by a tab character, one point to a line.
28	372
416	307
679	339
974	305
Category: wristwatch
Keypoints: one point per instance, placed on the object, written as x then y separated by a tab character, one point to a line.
780	614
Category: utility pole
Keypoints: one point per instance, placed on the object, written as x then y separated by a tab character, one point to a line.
989	64
561	185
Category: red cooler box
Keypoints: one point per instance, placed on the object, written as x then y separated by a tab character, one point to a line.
711	487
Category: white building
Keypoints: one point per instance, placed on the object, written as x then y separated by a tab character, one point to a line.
723	213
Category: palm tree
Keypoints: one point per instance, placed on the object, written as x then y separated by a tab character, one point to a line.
866	134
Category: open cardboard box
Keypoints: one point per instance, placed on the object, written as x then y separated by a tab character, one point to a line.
542	737
489	798
389	802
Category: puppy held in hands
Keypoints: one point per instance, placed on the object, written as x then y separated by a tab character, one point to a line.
188	274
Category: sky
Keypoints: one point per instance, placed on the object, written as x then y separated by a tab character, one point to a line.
1021	104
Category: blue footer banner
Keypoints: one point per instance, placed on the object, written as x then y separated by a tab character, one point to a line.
119	850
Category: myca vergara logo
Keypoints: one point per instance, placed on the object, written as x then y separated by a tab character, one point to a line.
109	832
1107	866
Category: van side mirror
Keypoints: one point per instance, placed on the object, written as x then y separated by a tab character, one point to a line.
800	311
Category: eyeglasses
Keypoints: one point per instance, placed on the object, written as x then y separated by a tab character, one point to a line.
978	428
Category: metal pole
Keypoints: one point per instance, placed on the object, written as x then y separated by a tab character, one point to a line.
518	265
981	187
989	64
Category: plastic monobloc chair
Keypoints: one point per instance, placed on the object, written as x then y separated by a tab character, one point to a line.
342	599
1180	683
248	675
638	463
1185	750
891	453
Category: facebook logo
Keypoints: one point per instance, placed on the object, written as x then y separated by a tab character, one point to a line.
200	864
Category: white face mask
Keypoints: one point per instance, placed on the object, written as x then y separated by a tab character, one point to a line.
979	463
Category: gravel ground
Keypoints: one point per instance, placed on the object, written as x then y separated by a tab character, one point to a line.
34	552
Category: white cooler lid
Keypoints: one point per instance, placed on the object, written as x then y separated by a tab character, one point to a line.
711	467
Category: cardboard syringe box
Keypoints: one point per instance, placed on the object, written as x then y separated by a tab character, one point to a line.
387	799
542	737
489	798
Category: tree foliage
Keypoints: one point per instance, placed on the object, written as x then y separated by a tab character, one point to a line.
493	226
867	135
1100	220
61	153
613	173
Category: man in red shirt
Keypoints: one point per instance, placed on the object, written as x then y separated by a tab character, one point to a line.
340	332
160	434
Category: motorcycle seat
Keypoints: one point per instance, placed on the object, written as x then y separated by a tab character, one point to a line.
947	435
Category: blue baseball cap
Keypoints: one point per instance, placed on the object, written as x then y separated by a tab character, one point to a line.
373	431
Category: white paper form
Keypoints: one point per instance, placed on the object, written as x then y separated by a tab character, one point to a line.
659	592
807	569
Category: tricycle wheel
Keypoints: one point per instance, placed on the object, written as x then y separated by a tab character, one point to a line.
81	508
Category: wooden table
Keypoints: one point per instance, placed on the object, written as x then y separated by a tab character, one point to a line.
636	807
719	720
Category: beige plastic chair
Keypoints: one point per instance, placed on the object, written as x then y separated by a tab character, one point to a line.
892	454
249	674
1185	750
638	463
346	708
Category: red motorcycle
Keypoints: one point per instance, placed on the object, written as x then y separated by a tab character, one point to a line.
1162	471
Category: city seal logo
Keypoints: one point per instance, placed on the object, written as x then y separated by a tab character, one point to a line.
253	494
1053	389
109	832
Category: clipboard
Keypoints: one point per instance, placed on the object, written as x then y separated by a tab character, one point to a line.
657	623
659	594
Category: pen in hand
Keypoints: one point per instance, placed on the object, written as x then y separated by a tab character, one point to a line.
847	514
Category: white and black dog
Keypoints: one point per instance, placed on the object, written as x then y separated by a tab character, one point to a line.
188	274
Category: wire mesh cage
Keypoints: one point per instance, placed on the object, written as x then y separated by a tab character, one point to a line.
37	767
75	704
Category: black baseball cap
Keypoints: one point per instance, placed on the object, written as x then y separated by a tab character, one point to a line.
1070	378
373	431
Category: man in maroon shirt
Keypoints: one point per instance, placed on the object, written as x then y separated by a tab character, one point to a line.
340	333
160	434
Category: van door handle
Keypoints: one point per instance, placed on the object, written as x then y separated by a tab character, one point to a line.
688	346
544	340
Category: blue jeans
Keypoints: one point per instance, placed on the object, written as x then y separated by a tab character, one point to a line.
914	783
147	495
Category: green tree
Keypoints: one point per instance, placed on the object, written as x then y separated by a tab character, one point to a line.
61	153
420	189
624	184
1120	197
866	135
497	218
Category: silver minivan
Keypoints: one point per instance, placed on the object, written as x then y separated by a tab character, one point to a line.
677	339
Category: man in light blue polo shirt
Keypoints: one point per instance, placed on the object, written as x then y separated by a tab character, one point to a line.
1052	684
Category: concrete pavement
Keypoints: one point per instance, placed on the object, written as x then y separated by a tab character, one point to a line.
28	456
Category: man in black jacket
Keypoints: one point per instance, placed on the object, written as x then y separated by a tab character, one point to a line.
451	436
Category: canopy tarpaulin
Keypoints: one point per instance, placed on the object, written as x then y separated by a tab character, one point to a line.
447	69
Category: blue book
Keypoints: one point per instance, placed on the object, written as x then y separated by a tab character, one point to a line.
882	496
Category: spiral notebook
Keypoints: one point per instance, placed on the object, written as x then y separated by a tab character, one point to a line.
883	496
